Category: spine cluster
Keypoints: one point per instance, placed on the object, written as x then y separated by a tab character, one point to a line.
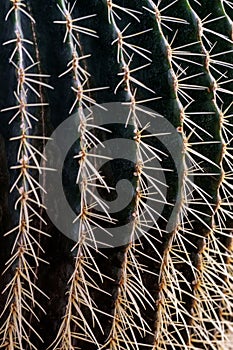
75	326
132	294
21	288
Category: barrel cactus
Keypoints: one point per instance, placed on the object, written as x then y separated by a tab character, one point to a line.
164	71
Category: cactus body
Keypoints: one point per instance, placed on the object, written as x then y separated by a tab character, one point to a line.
169	284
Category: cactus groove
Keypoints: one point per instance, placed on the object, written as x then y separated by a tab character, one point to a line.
163	289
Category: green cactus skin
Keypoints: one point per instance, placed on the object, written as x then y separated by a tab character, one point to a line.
170	290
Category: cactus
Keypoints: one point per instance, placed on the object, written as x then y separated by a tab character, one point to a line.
166	286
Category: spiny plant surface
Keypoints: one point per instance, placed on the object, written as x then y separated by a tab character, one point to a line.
163	289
